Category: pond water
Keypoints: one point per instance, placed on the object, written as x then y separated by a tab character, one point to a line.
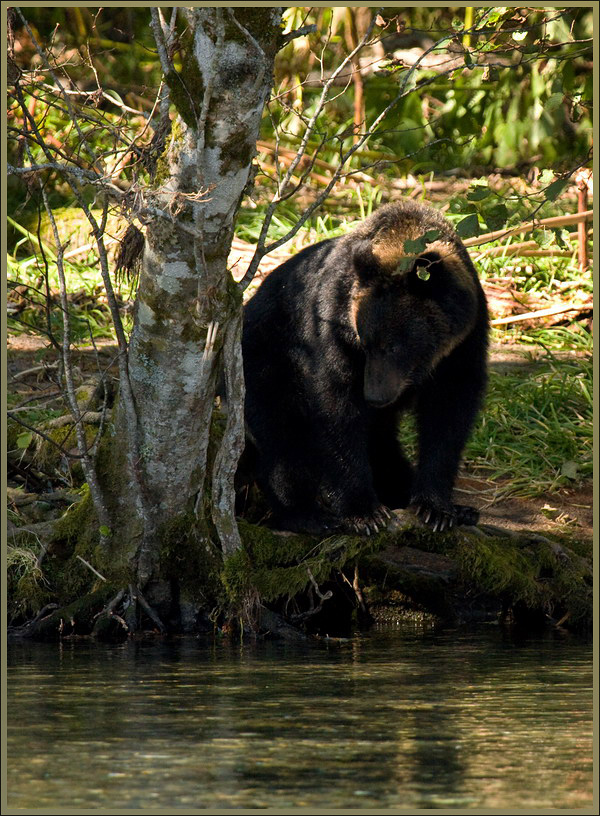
405	717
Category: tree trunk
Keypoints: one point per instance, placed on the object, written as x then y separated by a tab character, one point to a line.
188	312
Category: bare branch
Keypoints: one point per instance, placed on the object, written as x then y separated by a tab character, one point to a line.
86	461
261	250
44	58
159	36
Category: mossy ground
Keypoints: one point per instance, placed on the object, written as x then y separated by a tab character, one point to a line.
452	576
532	573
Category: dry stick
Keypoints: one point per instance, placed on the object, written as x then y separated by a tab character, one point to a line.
555	221
582	191
543	253
89	566
26	372
72	253
492	252
48	398
358	591
553	310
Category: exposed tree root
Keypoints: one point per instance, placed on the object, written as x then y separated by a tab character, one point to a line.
291	586
130	604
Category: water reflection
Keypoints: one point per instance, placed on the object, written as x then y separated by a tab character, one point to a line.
408	718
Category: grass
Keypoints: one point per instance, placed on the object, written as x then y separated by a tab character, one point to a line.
535	430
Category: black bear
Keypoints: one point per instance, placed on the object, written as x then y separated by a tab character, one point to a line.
341	339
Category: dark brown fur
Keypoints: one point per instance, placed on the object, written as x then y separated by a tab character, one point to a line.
338	342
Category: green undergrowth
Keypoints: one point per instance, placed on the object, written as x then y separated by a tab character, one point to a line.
440	574
27	589
535	428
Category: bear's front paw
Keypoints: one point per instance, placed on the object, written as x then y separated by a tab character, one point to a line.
441	516
371	524
435	514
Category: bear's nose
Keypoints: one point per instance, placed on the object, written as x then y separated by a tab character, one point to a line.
379	400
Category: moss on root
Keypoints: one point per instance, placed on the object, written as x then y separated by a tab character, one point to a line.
529	573
189	557
459	575
276	565
455	576
76	619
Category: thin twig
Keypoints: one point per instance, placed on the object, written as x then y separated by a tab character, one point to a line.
87	463
44	436
89	566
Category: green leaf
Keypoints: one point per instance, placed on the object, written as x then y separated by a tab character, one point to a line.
478	193
519	36
569	469
546	176
404	264
554	101
543	237
423	273
468	227
24	440
104	531
417	245
562	237
496	217
553	190
496	14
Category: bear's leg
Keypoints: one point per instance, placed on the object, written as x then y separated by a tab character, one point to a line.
392	472
446	409
326	488
346	487
289	484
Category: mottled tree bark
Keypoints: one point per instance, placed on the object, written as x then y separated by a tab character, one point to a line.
188	310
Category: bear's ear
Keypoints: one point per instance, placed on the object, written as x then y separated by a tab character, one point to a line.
365	263
423	265
426	264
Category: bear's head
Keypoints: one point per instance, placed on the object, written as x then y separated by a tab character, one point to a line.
408	312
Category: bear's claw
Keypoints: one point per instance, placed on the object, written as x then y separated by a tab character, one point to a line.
368	525
441	519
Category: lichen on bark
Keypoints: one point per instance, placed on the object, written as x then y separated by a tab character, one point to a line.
187	315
